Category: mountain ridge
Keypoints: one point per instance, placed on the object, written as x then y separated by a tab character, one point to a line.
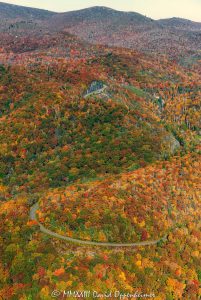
4	5
17	11
106	26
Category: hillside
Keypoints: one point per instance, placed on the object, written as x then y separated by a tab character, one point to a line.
180	23
19	21
100	157
119	123
10	11
118	201
101	25
127	29
101	14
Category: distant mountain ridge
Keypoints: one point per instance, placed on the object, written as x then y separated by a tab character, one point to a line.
102	25
103	13
11	11
180	23
17	11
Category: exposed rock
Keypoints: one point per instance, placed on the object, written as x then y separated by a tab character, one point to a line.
171	144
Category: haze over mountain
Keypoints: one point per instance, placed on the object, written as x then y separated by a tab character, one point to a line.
180	23
11	11
104	25
128	29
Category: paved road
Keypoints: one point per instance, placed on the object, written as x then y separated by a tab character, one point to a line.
35	207
96	92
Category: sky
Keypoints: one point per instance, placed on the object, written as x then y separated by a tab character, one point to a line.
156	9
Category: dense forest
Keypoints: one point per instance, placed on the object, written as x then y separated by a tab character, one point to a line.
106	142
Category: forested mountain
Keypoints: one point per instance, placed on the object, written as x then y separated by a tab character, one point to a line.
180	23
126	29
101	14
9	11
102	25
20	20
100	155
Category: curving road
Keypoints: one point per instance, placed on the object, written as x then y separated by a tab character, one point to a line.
96	92
33	217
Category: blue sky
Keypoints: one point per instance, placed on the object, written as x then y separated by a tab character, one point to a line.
190	9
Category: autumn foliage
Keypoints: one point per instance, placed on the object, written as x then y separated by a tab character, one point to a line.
122	165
